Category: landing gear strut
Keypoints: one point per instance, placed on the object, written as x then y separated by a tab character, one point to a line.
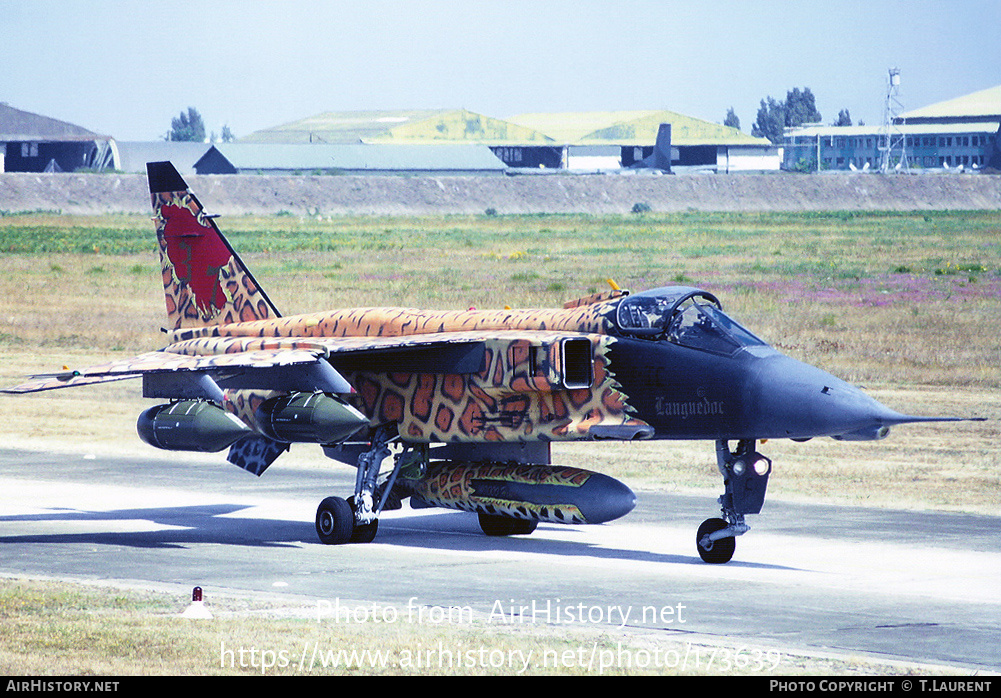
356	520
745	478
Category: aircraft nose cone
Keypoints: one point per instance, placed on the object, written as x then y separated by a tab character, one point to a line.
798	401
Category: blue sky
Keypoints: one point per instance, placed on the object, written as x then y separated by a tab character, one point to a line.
126	67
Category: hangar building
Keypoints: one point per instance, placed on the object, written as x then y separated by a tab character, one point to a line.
957	134
516	146
133	155
33	143
621	139
569	141
298	158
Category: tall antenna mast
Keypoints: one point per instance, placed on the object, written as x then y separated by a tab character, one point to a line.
893	145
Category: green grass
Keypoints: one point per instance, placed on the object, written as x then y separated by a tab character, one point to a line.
691	234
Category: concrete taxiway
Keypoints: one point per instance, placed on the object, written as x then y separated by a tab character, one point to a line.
919	587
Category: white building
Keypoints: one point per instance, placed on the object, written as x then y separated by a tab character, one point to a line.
958	134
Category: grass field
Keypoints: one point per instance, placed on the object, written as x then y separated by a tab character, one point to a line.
95	631
906	305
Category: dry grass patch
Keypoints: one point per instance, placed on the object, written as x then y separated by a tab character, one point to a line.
64	629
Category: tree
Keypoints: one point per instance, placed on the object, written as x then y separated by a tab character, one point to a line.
731	119
798	108
844	118
187	127
771	120
227	135
801	107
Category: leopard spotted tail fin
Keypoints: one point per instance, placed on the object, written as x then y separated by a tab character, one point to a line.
204	280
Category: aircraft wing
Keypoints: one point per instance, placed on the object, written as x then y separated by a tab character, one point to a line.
165	362
499	384
283	363
517	360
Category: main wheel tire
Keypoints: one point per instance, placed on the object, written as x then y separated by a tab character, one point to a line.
335	521
494	525
720	551
364	533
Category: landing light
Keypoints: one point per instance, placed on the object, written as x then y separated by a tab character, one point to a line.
762	466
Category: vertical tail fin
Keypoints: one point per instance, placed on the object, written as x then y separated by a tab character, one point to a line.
205	282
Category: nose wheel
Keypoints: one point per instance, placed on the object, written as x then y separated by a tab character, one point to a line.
745	478
715	551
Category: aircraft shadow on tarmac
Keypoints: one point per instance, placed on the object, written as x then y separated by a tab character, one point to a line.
188	525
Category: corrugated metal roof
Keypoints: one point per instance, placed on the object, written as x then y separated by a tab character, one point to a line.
985	103
906	129
133	155
18	125
632	128
293	157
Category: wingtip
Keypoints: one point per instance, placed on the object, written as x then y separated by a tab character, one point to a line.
164	177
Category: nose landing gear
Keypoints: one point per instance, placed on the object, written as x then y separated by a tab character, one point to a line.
745	478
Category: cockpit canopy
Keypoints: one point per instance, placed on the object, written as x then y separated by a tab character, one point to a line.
685	316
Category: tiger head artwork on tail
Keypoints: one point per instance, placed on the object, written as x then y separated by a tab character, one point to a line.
205	282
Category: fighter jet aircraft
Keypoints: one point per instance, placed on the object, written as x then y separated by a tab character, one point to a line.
467	403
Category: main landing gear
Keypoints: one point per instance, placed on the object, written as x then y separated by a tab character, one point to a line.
356	520
745	478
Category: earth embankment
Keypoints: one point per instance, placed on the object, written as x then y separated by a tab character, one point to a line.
522	194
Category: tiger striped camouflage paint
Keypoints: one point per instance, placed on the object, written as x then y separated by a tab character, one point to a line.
203	281
220	318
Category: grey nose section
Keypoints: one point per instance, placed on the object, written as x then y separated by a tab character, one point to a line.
795	400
